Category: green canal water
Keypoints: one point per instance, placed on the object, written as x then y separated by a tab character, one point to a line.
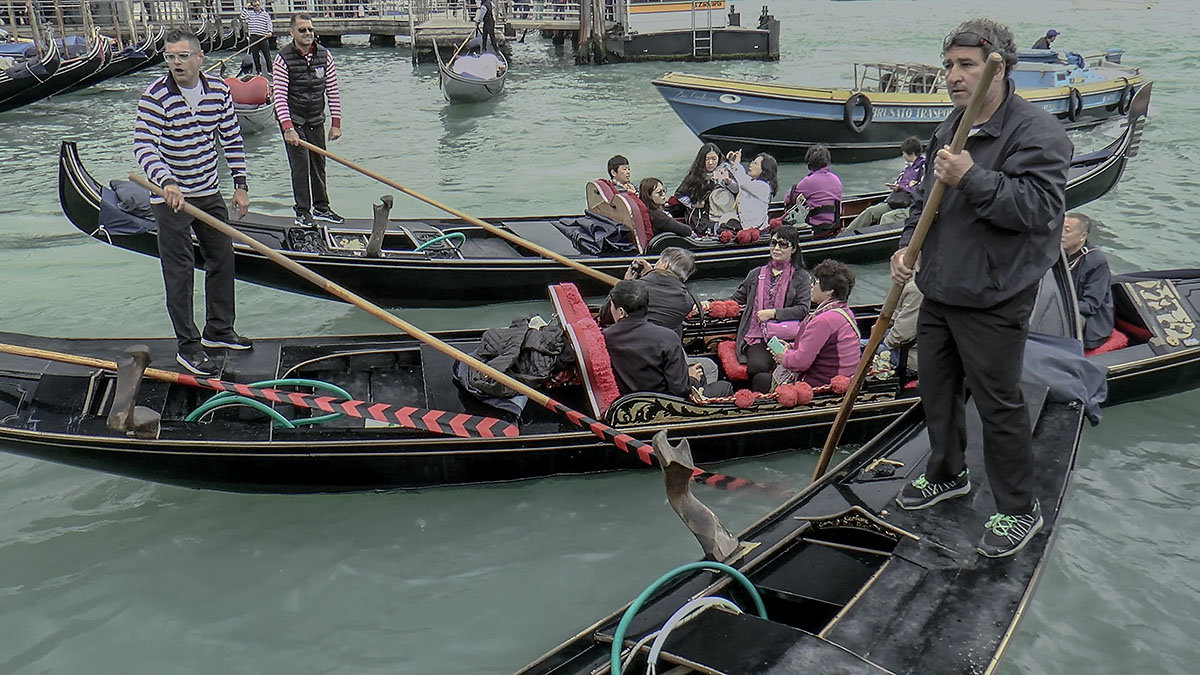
103	574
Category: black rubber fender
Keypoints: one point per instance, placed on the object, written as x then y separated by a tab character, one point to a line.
1126	97
852	104
1074	104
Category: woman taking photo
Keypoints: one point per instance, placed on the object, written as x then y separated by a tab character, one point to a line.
754	186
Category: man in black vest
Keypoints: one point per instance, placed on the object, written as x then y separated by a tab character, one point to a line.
485	23
304	77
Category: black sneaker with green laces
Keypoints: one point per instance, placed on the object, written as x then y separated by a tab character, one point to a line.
921	494
1004	535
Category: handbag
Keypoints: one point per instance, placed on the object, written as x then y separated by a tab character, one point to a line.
899	199
784	330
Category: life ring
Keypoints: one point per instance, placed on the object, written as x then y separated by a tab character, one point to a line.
1126	99
852	104
1074	104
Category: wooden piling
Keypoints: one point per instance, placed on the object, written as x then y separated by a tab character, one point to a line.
62	28
33	24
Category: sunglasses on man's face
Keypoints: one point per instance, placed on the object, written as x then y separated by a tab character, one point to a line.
306	30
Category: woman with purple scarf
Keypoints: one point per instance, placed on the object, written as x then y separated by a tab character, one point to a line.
776	292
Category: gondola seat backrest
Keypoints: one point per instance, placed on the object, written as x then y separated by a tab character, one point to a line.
634	214
595	368
599	191
728	356
252	91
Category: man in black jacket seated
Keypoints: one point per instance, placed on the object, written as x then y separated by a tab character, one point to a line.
996	233
647	357
1093	281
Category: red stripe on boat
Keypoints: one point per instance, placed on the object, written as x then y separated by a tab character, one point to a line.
323	403
299	400
431	421
484	427
271	395
244	390
376	412
351	408
404	416
456	425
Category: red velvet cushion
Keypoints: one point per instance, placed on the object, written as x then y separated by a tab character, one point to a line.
727	355
1116	340
642	231
251	92
1135	333
588	343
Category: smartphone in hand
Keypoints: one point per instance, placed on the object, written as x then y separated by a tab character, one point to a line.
776	345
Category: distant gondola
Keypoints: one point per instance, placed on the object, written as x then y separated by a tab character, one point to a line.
132	58
30	70
482	268
461	85
57	412
68	73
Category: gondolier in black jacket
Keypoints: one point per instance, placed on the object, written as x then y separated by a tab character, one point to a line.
996	233
179	118
303	79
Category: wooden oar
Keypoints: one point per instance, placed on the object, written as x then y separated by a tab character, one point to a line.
499	232
247	47
910	258
461	45
624	442
434	421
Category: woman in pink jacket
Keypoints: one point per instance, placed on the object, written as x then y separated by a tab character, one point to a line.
828	343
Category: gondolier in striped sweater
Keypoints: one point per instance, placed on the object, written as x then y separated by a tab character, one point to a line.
303	78
259	27
180	118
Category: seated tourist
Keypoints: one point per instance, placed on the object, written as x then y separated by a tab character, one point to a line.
646	357
776	292
821	190
754	186
828	342
902	334
619	173
691	196
902	190
1093	281
654	196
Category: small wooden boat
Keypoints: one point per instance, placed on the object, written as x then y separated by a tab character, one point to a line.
888	103
252	103
482	268
69	72
58	412
463	80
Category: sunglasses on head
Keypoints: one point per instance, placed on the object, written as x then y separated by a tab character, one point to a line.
965	39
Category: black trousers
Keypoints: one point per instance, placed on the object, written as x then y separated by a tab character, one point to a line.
308	170
262	49
178	259
488	34
983	349
759	366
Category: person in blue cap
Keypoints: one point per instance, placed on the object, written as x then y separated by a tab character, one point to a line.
1044	42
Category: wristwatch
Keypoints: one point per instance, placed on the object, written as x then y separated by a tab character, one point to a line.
239	183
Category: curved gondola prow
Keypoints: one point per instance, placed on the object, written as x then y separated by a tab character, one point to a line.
78	191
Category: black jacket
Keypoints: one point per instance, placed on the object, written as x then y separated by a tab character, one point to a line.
646	357
1000	229
528	355
795	303
306	84
1093	290
670	302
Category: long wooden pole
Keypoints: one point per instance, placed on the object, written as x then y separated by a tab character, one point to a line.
34	21
622	441
247	47
499	232
932	202
460	46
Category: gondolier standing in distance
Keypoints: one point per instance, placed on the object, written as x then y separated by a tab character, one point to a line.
996	233
304	78
179	119
485	23
259	27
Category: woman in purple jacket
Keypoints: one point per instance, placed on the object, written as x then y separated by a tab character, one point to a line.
828	344
822	193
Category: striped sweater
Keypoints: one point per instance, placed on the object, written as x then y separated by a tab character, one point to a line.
173	142
258	23
279	91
